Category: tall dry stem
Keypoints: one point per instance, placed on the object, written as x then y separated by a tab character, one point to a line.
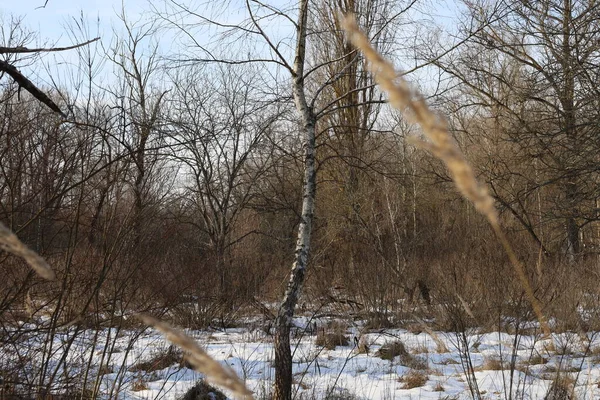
200	360
10	242
441	144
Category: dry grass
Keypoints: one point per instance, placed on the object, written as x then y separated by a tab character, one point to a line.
377	320
440	345
413	379
391	350
340	394
363	345
440	144
332	336
160	360
105	370
554	369
492	364
562	388
330	340
536	359
139	385
200	360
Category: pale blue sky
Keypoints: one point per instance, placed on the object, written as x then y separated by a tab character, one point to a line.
50	21
51	25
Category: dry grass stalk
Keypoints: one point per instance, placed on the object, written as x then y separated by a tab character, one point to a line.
10	242
466	306
441	144
441	346
202	362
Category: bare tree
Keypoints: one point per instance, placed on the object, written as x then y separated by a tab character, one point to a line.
529	71
8	65
219	123
141	98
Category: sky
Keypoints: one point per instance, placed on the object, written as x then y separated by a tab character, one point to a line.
50	21
51	24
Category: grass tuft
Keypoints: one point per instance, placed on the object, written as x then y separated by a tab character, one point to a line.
158	361
413	379
562	388
389	351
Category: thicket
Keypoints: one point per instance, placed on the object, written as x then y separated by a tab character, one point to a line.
179	192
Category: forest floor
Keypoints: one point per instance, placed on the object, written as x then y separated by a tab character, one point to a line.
334	360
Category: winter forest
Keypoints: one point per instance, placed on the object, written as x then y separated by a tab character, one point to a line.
300	199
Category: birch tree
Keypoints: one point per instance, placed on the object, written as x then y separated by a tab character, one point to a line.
309	79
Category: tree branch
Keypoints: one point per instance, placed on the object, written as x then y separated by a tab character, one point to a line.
25	83
21	49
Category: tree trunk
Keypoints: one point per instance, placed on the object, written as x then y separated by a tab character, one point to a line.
283	353
570	128
572	226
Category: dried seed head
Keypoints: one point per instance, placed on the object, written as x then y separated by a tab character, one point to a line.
10	242
200	360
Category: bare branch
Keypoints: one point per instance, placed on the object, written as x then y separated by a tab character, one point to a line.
21	49
229	62
266	38
43	6
25	83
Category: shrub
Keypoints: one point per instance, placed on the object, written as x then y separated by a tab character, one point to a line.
391	350
203	391
330	340
333	336
560	389
341	394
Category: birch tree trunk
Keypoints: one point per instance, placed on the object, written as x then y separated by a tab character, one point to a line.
283	354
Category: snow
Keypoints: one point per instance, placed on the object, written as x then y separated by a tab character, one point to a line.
319	372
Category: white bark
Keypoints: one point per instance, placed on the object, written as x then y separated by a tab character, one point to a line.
283	356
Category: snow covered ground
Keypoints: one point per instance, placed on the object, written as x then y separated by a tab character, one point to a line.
134	367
